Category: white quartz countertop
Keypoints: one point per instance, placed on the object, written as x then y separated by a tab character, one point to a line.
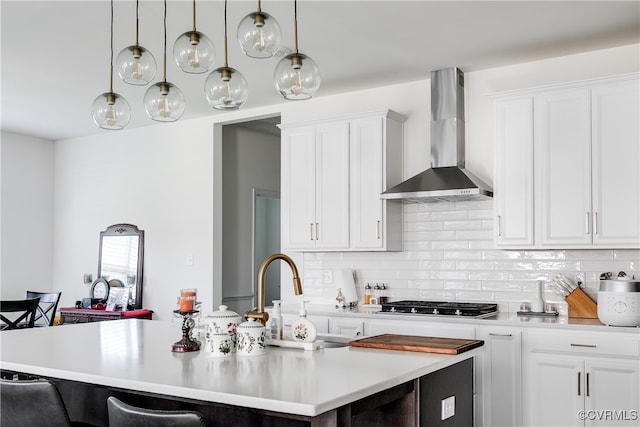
501	319
136	354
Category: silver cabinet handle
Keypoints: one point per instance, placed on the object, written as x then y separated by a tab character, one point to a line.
499	230
311	230
317	231
587	384
584	345
378	230
595	223
500	335
586	223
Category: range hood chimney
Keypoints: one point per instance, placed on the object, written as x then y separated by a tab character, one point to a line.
447	179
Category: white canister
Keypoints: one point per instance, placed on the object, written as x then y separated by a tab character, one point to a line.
219	344
250	340
224	320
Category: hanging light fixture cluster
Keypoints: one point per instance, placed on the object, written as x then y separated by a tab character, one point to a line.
296	76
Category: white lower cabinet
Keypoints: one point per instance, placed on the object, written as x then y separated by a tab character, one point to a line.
500	377
345	326
426	329
578	379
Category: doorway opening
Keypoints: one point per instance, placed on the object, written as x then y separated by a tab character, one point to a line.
250	210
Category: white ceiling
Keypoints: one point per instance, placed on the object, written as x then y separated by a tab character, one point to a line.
55	54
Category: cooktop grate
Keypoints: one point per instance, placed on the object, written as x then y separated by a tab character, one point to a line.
441	308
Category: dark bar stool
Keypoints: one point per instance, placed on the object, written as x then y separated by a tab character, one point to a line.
123	415
33	403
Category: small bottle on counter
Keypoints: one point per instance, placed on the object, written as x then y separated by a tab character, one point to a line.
303	329
274	325
367	294
383	294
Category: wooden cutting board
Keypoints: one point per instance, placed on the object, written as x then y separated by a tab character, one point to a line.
416	343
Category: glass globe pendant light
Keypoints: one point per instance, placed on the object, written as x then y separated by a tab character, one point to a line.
225	88
163	101
193	51
297	76
135	64
259	34
110	110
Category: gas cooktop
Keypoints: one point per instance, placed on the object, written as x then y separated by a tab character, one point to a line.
440	308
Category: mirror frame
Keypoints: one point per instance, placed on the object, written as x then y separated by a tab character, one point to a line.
126	230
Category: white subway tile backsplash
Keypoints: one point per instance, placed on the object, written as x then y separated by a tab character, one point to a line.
449	254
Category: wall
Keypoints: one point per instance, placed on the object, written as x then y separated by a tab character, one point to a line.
159	178
250	160
164	178
26	230
448	255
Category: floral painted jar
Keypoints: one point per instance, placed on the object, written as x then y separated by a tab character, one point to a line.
223	321
250	340
218	343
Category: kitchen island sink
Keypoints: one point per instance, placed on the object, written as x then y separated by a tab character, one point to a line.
334	386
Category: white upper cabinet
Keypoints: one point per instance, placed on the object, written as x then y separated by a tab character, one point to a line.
563	167
333	172
315	186
513	186
567	166
615	138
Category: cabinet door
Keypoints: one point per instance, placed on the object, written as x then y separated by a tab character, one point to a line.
563	144
366	183
348	327
514	173
612	392
554	391
332	186
298	188
501	377
616	171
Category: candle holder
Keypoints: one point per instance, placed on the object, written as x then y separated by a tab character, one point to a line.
187	343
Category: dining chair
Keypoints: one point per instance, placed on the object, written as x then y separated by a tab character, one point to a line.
33	403
18	314
124	415
47	307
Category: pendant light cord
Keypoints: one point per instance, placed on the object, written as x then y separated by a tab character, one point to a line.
164	61
111	53
194	15
226	61
137	26
295	23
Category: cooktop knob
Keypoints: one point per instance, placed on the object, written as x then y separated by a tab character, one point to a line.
435	311
392	309
413	310
458	312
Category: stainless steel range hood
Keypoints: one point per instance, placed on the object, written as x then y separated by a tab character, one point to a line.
447	179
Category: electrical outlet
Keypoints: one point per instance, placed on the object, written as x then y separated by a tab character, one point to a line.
327	276
448	407
189	259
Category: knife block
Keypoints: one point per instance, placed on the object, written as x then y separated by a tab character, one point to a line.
581	305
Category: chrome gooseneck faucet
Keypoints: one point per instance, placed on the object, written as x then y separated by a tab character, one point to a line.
258	313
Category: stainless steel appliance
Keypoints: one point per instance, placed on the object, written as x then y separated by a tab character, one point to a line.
619	302
440	308
447	179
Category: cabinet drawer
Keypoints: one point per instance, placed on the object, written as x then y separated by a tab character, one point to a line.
585	343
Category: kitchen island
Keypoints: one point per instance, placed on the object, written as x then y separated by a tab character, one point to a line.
133	359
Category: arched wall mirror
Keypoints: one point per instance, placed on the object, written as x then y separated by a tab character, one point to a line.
121	259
